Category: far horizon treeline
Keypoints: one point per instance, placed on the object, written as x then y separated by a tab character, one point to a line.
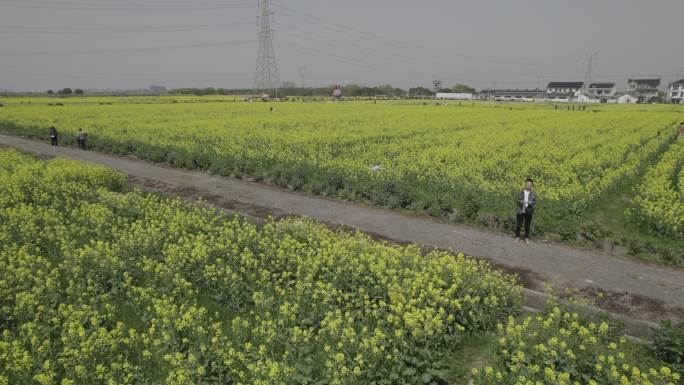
350	90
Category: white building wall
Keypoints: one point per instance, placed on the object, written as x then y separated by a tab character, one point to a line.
676	91
627	99
454	96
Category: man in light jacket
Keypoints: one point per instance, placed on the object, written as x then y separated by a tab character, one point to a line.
526	202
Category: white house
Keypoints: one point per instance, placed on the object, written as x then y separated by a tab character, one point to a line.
564	87
644	90
602	91
454	96
675	92
511	95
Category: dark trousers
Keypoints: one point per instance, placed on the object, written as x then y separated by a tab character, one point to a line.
53	140
81	143
519	219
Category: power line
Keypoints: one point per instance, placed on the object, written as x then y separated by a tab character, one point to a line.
91	6
367	51
134	29
367	35
123	50
395	64
137	77
362	64
336	58
353	62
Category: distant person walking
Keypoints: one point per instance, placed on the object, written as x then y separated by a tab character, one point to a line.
526	202
81	138
680	130
53	136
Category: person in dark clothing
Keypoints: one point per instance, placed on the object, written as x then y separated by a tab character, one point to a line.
81	139
53	136
526	201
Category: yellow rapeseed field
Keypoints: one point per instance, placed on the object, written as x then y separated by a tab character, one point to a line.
460	161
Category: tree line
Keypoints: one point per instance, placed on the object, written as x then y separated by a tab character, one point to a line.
349	90
66	91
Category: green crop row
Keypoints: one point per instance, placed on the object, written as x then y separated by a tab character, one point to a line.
659	200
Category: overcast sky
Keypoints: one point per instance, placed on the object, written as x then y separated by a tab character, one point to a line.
196	43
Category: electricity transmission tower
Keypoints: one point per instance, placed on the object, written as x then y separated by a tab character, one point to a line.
266	74
587	74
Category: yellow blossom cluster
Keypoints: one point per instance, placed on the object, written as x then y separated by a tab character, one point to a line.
99	285
561	347
660	196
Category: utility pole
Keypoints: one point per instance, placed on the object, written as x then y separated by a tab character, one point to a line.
492	88
302	76
539	77
266	74
587	74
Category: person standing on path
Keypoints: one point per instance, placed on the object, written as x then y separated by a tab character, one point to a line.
81	139
526	202
53	136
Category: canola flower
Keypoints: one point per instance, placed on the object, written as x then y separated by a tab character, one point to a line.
560	347
459	162
99	285
659	201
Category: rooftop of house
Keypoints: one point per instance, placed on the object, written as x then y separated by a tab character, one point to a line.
602	85
565	85
560	95
646	82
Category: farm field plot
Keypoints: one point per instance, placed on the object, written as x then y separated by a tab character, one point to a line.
660	197
99	284
103	286
458	162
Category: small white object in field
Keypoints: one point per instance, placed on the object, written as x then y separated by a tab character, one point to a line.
376	168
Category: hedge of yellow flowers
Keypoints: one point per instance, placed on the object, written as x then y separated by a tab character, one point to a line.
103	286
461	162
660	197
563	348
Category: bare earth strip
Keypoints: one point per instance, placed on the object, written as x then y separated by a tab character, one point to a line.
633	288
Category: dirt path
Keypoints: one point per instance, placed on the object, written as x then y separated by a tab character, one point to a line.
633	288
